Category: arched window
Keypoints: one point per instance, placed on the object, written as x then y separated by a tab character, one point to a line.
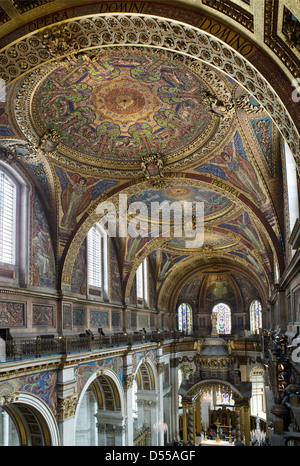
223	313
142	283
292	189
97	261
255	316
8	195
185	318
14	227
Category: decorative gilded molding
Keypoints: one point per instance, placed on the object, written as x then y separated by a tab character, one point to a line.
243	103
128	380
153	169
161	367
9	398
234	12
291	29
58	41
67	407
280	48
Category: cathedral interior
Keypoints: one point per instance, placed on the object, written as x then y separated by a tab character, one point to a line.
149	223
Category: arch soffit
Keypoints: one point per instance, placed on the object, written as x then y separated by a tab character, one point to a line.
91	217
195	389
44	415
151	370
115	385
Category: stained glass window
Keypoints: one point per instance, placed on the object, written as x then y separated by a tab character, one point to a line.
223	313
255	316
185	318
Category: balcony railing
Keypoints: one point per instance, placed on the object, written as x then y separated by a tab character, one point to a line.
17	349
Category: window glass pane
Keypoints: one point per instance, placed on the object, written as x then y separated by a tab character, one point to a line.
94	258
255	316
223	313
185	318
7	219
139	282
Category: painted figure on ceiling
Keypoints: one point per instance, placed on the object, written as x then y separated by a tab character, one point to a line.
75	198
238	170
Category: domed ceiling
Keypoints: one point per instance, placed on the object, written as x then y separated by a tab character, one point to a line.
114	108
157	126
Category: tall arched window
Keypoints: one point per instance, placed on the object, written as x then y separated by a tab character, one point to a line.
14	227
223	313
8	195
142	283
255	316
185	318
97	261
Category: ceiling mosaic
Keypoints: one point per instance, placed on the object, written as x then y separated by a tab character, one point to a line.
162	112
118	108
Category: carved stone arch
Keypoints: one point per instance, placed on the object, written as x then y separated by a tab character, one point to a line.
203	385
34	421
145	375
107	389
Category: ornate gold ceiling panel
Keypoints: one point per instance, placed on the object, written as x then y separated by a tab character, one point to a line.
69	39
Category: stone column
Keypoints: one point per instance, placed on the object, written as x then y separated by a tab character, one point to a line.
174	422
160	404
184	422
198	416
141	412
155	438
67	403
128	379
281	299
238	422
5	429
2	350
101	430
120	435
246	411
191	423
111	428
66	419
167	413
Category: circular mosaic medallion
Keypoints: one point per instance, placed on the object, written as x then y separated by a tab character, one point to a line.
118	108
124	101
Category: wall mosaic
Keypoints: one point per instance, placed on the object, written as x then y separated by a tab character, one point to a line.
99	319
43	260
43	385
78	280
84	371
43	315
12	314
79	318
